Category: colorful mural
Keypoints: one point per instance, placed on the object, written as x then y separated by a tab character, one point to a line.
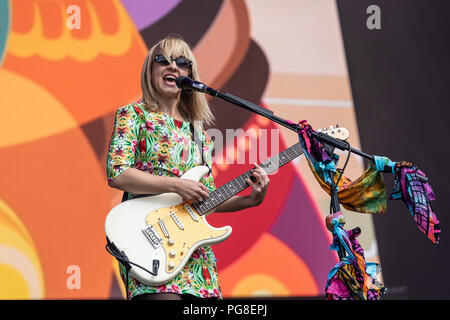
66	66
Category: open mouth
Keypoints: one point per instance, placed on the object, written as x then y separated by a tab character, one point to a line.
170	80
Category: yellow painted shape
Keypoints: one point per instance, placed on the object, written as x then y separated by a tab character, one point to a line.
13	237
9	219
258	285
10	239
270	268
35	43
31	116
18	251
14	285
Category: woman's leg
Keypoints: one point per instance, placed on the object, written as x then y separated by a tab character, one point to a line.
165	296
158	296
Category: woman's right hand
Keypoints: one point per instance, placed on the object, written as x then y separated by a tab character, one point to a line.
191	190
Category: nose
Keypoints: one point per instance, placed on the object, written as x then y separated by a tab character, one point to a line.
173	65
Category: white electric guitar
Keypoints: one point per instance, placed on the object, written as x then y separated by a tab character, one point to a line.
157	234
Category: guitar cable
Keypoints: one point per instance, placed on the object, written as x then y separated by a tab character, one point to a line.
122	258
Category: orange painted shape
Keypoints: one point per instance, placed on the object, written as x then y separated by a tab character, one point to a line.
270	259
32	116
52	15
107	15
23	15
59	191
260	285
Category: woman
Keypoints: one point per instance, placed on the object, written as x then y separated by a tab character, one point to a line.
152	145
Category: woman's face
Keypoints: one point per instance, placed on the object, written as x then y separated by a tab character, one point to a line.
164	76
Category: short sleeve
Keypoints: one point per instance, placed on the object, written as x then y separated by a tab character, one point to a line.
122	146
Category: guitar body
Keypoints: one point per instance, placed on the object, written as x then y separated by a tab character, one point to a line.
161	232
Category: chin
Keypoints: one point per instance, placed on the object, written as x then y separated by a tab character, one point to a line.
170	93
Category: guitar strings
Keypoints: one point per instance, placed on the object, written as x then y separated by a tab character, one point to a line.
289	152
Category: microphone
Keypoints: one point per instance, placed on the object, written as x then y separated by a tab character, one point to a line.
187	83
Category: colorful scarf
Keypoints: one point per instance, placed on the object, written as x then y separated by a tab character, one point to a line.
412	187
315	152
367	194
352	278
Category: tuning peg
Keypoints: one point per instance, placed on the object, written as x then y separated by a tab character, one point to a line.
319	130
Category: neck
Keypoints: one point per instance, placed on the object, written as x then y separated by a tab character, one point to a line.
169	105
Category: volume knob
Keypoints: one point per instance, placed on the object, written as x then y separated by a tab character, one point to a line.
171	265
172	254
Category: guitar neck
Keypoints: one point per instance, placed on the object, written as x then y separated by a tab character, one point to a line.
238	184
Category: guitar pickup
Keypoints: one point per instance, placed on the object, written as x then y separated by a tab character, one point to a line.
177	221
191	212
163	228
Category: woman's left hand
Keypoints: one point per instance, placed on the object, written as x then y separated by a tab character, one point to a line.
259	186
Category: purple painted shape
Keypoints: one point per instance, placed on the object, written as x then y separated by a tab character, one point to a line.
146	13
298	227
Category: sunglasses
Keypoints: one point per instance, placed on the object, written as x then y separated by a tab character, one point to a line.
182	62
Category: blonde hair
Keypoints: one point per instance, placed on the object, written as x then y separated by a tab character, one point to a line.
193	105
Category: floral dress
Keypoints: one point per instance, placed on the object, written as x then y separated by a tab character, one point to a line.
161	145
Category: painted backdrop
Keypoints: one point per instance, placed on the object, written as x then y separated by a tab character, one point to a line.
66	66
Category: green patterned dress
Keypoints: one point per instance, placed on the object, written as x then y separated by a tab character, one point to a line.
161	145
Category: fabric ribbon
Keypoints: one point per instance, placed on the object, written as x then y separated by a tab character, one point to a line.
367	194
352	278
412	187
315	152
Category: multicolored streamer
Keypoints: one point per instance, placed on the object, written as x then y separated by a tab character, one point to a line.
352	278
412	187
367	194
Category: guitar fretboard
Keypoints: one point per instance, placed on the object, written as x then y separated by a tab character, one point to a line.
238	184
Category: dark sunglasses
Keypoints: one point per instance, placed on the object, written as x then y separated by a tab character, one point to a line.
182	62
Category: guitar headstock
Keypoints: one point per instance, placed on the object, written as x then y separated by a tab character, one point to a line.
337	132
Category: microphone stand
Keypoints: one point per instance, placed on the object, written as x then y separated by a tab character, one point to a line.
325	139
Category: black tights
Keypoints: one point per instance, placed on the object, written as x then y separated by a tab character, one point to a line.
165	296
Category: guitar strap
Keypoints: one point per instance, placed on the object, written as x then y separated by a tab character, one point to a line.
198	141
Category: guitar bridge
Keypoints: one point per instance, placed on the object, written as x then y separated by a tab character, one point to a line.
153	236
